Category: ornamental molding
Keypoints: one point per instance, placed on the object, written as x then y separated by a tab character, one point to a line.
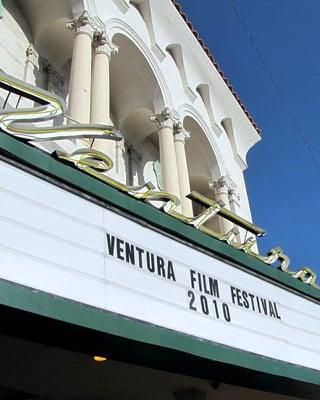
81	24
225	185
166	118
96	164
122	5
116	25
234	196
102	44
32	56
180	134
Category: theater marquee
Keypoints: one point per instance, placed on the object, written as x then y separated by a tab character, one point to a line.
60	243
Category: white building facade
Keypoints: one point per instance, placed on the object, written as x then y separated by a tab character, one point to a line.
125	217
120	63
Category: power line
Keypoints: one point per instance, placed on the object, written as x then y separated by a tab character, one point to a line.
276	86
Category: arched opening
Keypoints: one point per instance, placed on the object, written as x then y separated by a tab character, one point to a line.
202	164
43	25
13	25
135	96
201	158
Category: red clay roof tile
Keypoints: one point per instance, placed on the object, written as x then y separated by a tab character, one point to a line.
196	34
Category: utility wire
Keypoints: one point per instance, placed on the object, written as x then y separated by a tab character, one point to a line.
276	86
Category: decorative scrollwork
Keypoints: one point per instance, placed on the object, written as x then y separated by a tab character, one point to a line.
51	106
98	164
307	276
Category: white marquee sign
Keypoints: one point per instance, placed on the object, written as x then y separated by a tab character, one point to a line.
56	242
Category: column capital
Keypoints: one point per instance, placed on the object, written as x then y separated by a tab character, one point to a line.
167	118
32	55
103	45
225	185
234	195
222	185
30	50
81	24
180	134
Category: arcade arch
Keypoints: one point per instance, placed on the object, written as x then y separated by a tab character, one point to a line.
135	95
202	162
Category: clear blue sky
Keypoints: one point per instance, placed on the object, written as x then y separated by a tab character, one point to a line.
270	52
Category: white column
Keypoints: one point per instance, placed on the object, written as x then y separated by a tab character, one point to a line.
31	59
31	63
100	88
80	76
234	201
169	172
180	137
221	192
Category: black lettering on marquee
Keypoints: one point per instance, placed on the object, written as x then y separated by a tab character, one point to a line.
160	266
256	304
226	312
150	261
140	252
120	243
264	306
192	298
276	310
201	303
110	243
199	282
216	308
252	296
204	304
171	274
192	278
245	299
239	297
205	289
204	283
233	294
271	310
139	257
130	253
214	287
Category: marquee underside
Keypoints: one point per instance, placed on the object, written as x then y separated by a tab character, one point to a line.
61	324
148	290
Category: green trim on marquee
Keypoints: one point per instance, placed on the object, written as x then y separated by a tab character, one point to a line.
75	178
47	305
